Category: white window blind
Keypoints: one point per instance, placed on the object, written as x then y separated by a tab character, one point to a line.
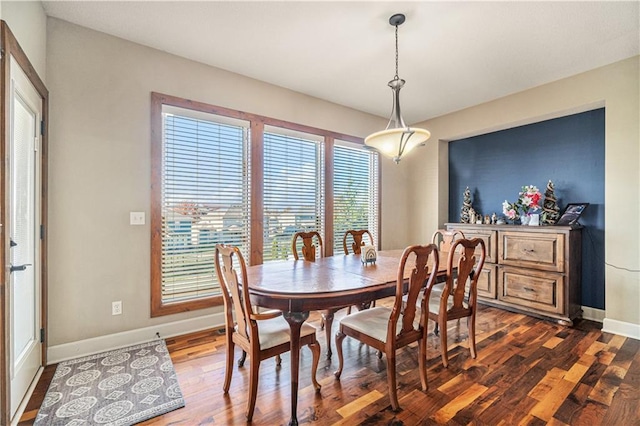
355	191
293	189
205	199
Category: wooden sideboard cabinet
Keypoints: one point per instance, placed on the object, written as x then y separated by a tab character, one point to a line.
530	269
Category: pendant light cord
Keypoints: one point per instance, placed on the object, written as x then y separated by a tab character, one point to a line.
396	77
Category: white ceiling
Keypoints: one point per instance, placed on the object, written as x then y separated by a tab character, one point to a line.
452	54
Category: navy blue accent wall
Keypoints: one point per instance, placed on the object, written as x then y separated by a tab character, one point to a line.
567	150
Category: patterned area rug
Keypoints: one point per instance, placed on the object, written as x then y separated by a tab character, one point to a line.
121	387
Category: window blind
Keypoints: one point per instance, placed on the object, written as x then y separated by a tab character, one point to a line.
205	200
293	190
355	191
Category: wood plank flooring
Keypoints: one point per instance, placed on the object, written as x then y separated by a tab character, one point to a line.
528	371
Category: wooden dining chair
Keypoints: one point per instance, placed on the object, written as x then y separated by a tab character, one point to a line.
388	329
309	251
444	239
458	298
357	236
260	335
356	248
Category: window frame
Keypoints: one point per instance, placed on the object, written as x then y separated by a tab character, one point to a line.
256	171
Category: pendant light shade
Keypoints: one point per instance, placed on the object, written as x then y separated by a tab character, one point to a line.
397	139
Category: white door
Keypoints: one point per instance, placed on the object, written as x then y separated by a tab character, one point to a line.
24	254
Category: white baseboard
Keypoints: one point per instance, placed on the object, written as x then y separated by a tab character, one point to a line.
109	342
593	314
626	329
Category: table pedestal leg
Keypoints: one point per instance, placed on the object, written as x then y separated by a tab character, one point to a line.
295	320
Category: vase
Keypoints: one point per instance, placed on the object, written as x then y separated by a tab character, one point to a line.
524	220
534	219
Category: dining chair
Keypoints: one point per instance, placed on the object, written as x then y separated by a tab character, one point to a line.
309	252
388	329
458	298
261	335
444	239
358	242
356	247
309	249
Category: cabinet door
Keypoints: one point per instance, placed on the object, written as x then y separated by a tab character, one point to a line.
489	238
538	290
532	250
487	282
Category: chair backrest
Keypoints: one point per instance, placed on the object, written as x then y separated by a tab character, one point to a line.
425	269
468	271
444	238
308	248
235	293
357	240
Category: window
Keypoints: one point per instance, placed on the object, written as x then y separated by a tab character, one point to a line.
205	198
226	176
355	191
292	191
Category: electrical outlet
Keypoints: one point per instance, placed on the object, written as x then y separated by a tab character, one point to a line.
116	308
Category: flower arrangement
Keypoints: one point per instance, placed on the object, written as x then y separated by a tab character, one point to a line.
528	202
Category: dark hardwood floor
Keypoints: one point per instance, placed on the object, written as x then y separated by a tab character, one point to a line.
528	371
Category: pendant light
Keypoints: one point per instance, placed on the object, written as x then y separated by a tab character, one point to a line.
397	139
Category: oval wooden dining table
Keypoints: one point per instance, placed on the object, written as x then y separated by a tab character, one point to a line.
297	287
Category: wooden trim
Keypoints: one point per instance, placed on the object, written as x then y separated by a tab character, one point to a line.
218	110
256	243
328	195
9	47
5	389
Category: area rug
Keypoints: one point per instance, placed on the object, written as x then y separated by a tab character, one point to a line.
120	387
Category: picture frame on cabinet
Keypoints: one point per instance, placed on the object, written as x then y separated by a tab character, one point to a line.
571	213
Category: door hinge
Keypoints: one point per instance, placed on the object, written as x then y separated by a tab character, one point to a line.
42	232
42	335
41	127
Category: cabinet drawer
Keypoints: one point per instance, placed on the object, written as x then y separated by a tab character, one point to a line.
489	237
532	289
532	250
487	282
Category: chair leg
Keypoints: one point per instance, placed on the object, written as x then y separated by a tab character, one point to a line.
443	340
229	367
435	329
422	363
471	325
243	357
391	380
315	351
253	386
339	338
327	317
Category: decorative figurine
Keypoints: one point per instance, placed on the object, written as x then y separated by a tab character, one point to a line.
550	209
487	220
368	254
472	215
466	205
494	219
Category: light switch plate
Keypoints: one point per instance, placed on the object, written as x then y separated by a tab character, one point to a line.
136	218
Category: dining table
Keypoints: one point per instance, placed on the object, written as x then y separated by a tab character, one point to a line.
297	287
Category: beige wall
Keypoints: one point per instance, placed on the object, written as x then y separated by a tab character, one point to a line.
28	24
99	169
616	88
